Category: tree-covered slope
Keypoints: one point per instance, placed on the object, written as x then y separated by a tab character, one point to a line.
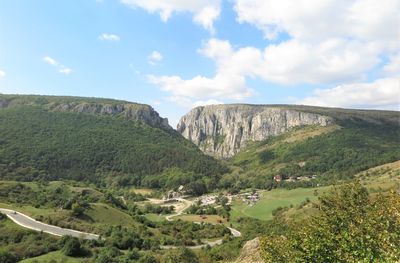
356	141
43	139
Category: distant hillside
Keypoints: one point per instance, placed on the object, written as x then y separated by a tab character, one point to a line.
96	140
108	107
293	141
223	130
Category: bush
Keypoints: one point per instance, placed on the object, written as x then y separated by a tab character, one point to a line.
71	246
2	216
181	255
7	257
350	227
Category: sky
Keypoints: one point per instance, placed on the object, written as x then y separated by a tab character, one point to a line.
178	54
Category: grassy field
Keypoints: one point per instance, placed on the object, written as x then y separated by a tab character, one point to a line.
29	210
55	256
214	219
143	191
382	177
105	214
271	200
155	217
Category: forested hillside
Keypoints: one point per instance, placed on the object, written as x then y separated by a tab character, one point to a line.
48	142
355	142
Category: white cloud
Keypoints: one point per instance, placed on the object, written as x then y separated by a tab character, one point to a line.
2	74
229	82
50	61
65	71
380	94
220	86
156	102
330	40
393	67
190	103
60	67
206	102
316	20
154	58
205	12
288	63
109	37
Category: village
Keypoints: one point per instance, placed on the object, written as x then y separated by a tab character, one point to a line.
249	198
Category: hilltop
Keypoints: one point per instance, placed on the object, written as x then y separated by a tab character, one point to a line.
96	140
262	141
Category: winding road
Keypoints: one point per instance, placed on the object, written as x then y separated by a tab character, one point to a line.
179	212
28	222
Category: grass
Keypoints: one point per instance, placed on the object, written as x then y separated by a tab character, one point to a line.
271	200
56	256
155	217
214	219
29	210
381	178
105	214
143	191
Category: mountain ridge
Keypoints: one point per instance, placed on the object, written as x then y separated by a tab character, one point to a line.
223	130
71	138
98	106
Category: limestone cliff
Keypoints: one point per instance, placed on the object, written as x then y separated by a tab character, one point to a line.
222	130
133	111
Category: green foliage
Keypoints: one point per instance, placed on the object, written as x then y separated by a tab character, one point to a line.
17	243
339	154
356	147
2	216
351	226
42	144
182	255
71	246
77	210
7	257
183	233
107	255
157	209
147	259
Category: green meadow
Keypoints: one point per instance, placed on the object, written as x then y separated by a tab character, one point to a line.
271	200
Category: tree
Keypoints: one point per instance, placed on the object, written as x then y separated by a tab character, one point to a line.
351	226
7	257
77	210
2	216
147	259
71	246
197	188
107	255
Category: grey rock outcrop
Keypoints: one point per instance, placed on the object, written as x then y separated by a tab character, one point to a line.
250	252
137	112
222	130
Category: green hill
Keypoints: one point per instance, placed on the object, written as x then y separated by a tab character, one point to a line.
359	140
96	140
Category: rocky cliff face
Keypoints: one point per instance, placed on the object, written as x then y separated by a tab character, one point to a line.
222	130
250	252
133	111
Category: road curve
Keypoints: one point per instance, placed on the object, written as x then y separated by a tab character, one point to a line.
180	211
234	232
28	222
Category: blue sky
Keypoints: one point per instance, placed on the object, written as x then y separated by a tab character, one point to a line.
176	54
